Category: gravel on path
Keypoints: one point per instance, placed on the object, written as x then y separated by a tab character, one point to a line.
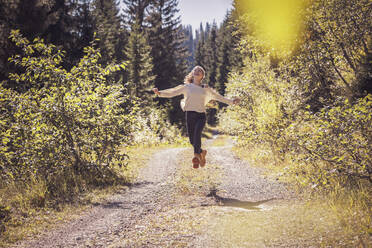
111	223
102	224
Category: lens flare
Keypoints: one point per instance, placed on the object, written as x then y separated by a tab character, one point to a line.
276	23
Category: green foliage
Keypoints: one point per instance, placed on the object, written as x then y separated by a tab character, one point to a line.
166	43
265	101
106	24
335	43
75	121
67	24
306	112
140	78
152	127
4	217
333	144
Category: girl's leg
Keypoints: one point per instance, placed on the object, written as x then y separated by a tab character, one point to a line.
199	125
190	125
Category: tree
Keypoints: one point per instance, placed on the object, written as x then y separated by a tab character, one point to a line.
140	77
228	54
199	54
189	43
135	12
167	49
75	121
65	23
108	29
211	56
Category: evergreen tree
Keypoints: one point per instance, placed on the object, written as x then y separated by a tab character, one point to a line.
207	30
140	78
229	57
199	54
82	30
135	12
167	49
65	23
211	56
195	43
189	44
108	30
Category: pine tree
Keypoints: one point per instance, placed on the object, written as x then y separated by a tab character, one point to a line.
167	48
140	78
189	44
163	36
82	30
224	51
211	56
207	30
60	22
199	54
107	28
229	57
135	12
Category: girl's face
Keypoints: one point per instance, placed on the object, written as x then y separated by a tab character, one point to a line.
198	74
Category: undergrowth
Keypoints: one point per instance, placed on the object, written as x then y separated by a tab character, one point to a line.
27	208
345	213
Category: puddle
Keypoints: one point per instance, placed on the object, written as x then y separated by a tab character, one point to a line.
240	204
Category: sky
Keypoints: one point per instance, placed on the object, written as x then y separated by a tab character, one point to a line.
195	11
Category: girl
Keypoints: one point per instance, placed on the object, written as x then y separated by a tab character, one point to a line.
196	96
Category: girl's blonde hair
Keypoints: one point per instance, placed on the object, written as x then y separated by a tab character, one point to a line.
189	77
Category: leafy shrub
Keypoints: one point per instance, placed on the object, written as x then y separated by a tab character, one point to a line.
63	120
262	114
293	109
152	127
321	149
334	144
4	217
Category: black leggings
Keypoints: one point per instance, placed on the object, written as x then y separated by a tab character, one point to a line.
195	123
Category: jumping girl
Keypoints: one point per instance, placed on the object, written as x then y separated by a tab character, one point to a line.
196	97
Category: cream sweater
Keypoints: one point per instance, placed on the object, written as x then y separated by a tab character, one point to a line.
195	96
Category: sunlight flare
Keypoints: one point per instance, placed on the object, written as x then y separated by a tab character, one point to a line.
275	23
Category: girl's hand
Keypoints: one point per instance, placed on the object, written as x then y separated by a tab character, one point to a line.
236	101
156	91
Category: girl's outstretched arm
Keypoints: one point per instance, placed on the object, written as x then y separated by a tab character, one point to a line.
172	92
216	96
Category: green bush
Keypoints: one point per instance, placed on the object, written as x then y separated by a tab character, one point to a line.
62	120
321	149
294	111
152	127
266	100
4	217
334	144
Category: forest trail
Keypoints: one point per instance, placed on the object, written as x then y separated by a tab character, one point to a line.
173	205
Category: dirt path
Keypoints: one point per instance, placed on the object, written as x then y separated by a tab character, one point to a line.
170	204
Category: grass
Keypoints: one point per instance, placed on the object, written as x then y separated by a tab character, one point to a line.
29	212
339	217
288	225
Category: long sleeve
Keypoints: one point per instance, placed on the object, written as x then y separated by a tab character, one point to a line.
215	96
172	92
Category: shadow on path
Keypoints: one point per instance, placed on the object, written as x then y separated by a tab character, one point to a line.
230	202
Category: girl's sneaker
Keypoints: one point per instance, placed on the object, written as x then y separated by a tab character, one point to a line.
196	161
202	158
